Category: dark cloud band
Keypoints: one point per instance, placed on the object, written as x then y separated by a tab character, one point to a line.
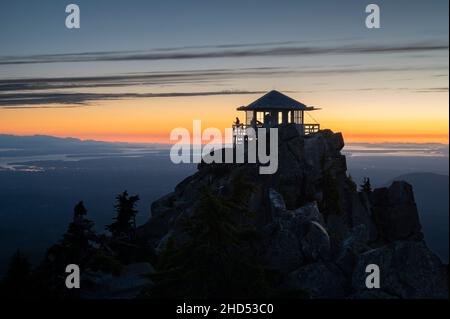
70	100
187	77
226	52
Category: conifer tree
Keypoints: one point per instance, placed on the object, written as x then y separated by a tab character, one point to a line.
365	186
124	223
76	245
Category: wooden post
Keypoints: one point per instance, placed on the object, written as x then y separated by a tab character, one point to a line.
285	117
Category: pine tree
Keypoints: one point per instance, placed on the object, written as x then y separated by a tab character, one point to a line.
77	239
124	223
76	245
365	186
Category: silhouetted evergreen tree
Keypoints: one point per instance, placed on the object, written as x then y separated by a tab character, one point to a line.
365	186
216	261
82	246
128	248
16	283
76	243
124	223
76	247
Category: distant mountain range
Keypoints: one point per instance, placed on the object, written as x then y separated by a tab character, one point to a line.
33	141
14	146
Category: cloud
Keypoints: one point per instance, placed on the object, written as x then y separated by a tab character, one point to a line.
148	78
24	93
228	51
432	90
215	76
70	100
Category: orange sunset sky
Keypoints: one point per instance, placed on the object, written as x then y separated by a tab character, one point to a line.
137	71
398	119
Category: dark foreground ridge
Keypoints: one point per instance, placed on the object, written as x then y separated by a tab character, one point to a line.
314	232
229	232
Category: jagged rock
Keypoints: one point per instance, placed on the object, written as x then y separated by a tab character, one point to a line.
320	280
297	220
283	252
316	243
156	227
349	230
287	133
408	269
303	163
351	247
162	244
338	228
308	213
177	237
128	285
395	213
361	215
325	152
315	154
276	202
162	214
163	204
295	235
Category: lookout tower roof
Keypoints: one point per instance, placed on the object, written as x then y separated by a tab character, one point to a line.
275	101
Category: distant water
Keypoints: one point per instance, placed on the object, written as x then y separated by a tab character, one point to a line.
350	150
18	163
396	149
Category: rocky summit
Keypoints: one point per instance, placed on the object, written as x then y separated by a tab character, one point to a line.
316	231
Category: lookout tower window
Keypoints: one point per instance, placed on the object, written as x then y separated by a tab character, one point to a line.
298	117
248	117
260	116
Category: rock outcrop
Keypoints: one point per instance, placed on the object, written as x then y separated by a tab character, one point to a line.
318	232
396	214
408	270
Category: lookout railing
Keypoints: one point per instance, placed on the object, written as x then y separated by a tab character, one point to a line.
310	128
240	130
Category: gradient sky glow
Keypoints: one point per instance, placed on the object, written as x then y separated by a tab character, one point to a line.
137	69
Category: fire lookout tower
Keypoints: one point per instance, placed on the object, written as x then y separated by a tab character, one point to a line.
274	109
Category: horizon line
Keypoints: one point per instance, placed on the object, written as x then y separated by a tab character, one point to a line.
159	138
